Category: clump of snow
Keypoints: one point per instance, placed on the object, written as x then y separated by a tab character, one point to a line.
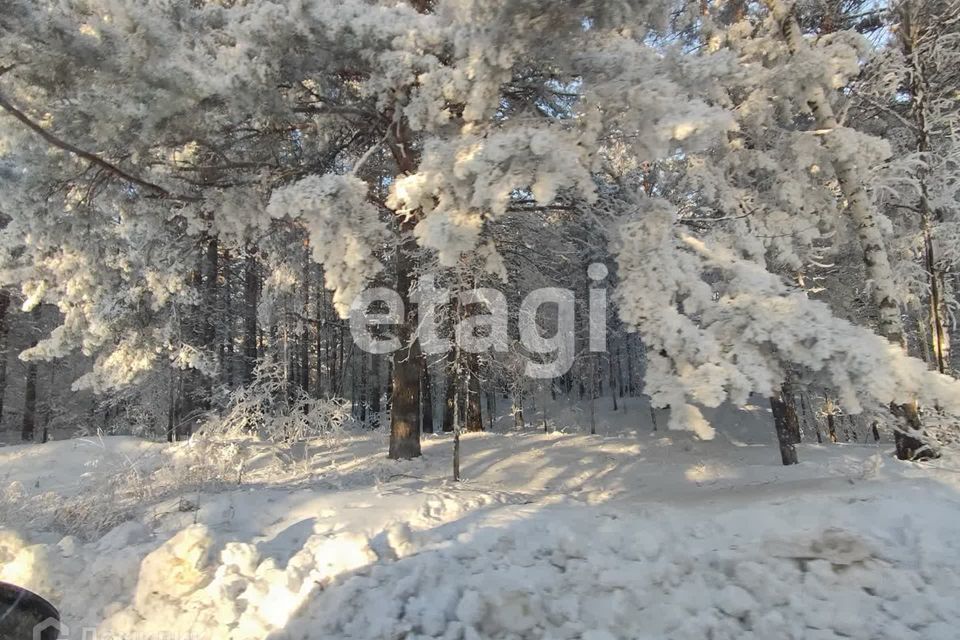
242	596
174	570
461	183
345	230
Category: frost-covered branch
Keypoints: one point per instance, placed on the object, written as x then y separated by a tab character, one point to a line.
154	189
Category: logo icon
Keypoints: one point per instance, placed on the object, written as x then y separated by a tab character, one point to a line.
50	629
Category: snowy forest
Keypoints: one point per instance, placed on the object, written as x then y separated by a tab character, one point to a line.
479	319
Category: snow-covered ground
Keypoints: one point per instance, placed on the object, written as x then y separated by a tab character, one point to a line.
625	535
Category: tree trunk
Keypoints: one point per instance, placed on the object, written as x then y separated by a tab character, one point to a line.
474	419
787	425
518	406
321	333
456	455
809	418
27	431
461	397
389	392
491	408
426	396
354	394
4	345
613	382
405	408
226	345
374	391
450	397
304	364
251	295
211	277
620	370
593	394
361	383
909	446
172	407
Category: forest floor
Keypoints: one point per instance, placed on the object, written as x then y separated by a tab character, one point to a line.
629	535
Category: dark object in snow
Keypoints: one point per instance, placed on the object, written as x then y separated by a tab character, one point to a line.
26	616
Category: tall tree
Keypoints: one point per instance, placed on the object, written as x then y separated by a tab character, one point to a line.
29	426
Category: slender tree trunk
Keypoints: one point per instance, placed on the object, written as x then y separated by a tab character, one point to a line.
787	425
27	431
426	396
251	299
940	338
171	408
321	333
361	363
544	420
620	371
354	392
457	424
518	406
374	393
456	456
210	287
908	443
47	413
336	371
450	401
463	369
305	341
462	397
227	350
613	382
450	395
491	408
593	395
340	351
4	345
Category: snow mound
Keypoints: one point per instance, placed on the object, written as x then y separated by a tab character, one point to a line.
542	579
181	591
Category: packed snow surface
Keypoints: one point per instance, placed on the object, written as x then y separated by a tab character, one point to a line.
549	536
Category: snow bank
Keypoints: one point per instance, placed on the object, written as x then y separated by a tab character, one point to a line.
553	537
619	577
560	572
